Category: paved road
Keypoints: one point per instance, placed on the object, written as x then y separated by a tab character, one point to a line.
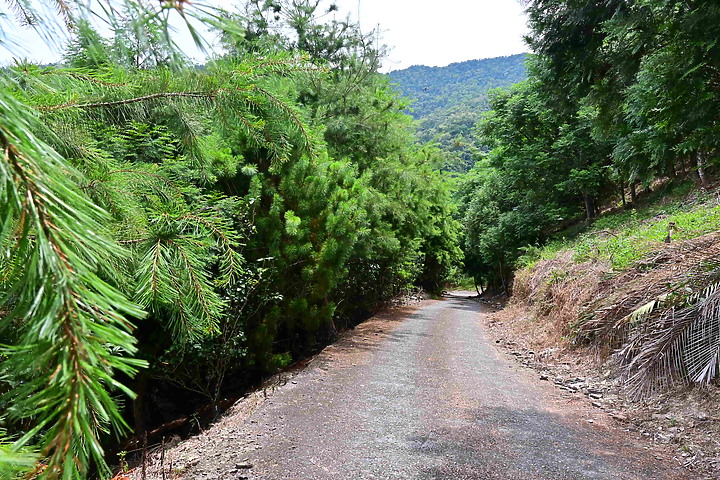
424	396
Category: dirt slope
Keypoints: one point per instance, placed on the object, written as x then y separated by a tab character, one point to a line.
419	394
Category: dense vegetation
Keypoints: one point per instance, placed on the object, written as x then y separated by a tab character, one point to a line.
171	232
620	94
434	89
623	237
621	101
174	229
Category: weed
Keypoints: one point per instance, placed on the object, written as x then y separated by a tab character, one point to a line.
122	458
622	238
557	276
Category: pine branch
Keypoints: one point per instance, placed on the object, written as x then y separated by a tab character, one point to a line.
70	317
289	112
231	266
205	95
80	76
24	15
64	9
200	288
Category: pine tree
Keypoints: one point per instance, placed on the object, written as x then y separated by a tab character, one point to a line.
94	230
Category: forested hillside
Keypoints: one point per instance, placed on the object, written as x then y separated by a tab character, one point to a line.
447	102
171	233
622	100
618	97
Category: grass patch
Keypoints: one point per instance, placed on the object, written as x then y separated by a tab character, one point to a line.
464	282
623	237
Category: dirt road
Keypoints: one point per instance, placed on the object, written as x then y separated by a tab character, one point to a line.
421	395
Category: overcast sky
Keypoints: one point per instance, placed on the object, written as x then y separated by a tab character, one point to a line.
433	33
436	33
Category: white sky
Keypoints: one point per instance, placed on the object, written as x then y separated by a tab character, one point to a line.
418	32
436	33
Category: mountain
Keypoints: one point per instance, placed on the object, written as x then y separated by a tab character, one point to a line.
448	101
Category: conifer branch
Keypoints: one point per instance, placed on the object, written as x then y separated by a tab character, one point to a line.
127	101
289	112
24	15
57	299
80	76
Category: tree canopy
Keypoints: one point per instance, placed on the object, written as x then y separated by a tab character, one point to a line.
620	94
166	226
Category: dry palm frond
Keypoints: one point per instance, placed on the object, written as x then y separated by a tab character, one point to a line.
661	317
646	310
675	343
649	363
655	282
701	342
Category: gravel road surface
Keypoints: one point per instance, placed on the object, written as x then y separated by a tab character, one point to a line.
419	394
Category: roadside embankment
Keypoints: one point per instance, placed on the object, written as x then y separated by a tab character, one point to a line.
632	323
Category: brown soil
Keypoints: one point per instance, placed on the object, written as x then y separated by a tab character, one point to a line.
546	327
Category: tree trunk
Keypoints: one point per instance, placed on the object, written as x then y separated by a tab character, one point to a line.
141	381
700	157
589	207
633	193
502	278
478	288
622	194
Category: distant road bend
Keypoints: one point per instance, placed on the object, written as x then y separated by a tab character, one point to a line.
419	394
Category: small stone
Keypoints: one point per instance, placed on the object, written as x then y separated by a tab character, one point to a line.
243	465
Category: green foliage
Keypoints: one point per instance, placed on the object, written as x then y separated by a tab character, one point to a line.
622	238
235	213
620	95
437	88
14	461
647	67
69	322
542	169
449	101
